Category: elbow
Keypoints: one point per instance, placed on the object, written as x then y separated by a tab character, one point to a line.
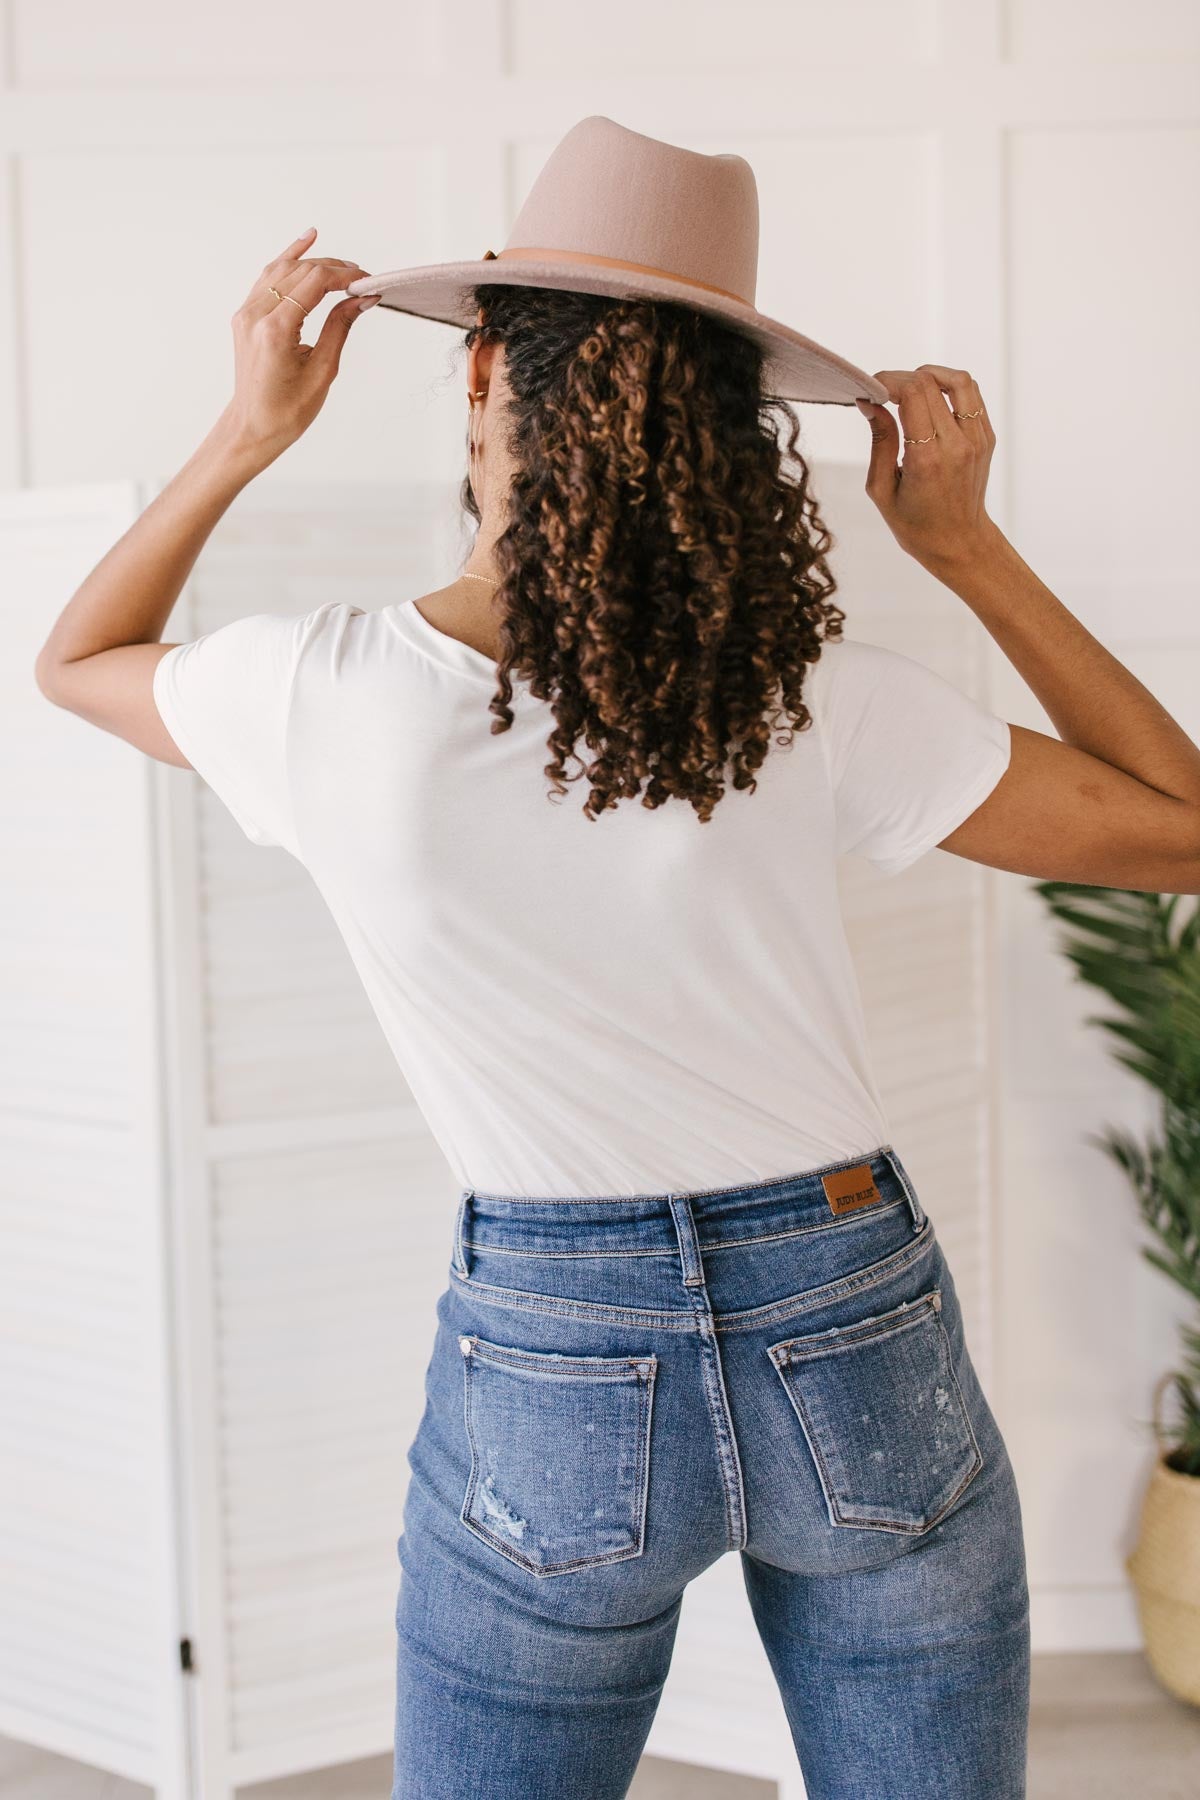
1164	859
1186	876
45	673
52	676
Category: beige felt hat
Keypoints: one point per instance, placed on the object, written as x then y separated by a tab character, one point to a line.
614	212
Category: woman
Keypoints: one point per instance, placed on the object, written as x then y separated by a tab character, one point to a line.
576	814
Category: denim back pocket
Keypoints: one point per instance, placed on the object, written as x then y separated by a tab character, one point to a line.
884	1416
560	1454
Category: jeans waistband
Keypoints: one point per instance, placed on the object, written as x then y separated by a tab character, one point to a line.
644	1224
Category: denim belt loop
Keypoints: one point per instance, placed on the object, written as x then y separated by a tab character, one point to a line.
460	1232
689	1243
914	1205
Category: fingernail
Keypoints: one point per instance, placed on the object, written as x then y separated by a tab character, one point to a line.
369	300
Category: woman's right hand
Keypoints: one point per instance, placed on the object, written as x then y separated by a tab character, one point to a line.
281	383
933	501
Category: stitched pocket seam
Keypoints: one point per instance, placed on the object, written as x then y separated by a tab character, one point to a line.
846	1337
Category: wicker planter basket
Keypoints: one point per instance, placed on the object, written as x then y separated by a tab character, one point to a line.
1165	1569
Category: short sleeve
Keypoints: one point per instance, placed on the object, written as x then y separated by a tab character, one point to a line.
225	699
910	756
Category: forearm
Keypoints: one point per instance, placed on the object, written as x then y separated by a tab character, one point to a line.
1092	699
129	595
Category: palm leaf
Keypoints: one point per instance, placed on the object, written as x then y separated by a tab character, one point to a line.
1142	951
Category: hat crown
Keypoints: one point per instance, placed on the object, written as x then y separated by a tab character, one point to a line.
610	192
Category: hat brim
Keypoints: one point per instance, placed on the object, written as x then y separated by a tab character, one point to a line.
797	368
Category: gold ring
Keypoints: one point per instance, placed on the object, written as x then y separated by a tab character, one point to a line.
927	440
280	296
973	415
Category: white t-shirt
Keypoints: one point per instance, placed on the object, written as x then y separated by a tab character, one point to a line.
636	1003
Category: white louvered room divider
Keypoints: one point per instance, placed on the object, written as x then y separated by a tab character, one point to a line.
224	1226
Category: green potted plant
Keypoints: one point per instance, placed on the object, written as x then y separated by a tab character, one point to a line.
1143	951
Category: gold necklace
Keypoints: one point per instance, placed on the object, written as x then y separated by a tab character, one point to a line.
468	576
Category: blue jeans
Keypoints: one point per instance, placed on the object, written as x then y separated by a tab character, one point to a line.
620	1391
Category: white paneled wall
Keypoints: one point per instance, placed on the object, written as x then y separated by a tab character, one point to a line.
1101	247
1003	184
90	1612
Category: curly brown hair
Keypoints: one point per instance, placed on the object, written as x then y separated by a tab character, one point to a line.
662	570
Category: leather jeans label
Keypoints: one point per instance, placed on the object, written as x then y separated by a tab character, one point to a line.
848	1189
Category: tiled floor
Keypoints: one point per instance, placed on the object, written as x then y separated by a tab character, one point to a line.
1100	1729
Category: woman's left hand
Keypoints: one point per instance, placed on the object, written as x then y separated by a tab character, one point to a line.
280	383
